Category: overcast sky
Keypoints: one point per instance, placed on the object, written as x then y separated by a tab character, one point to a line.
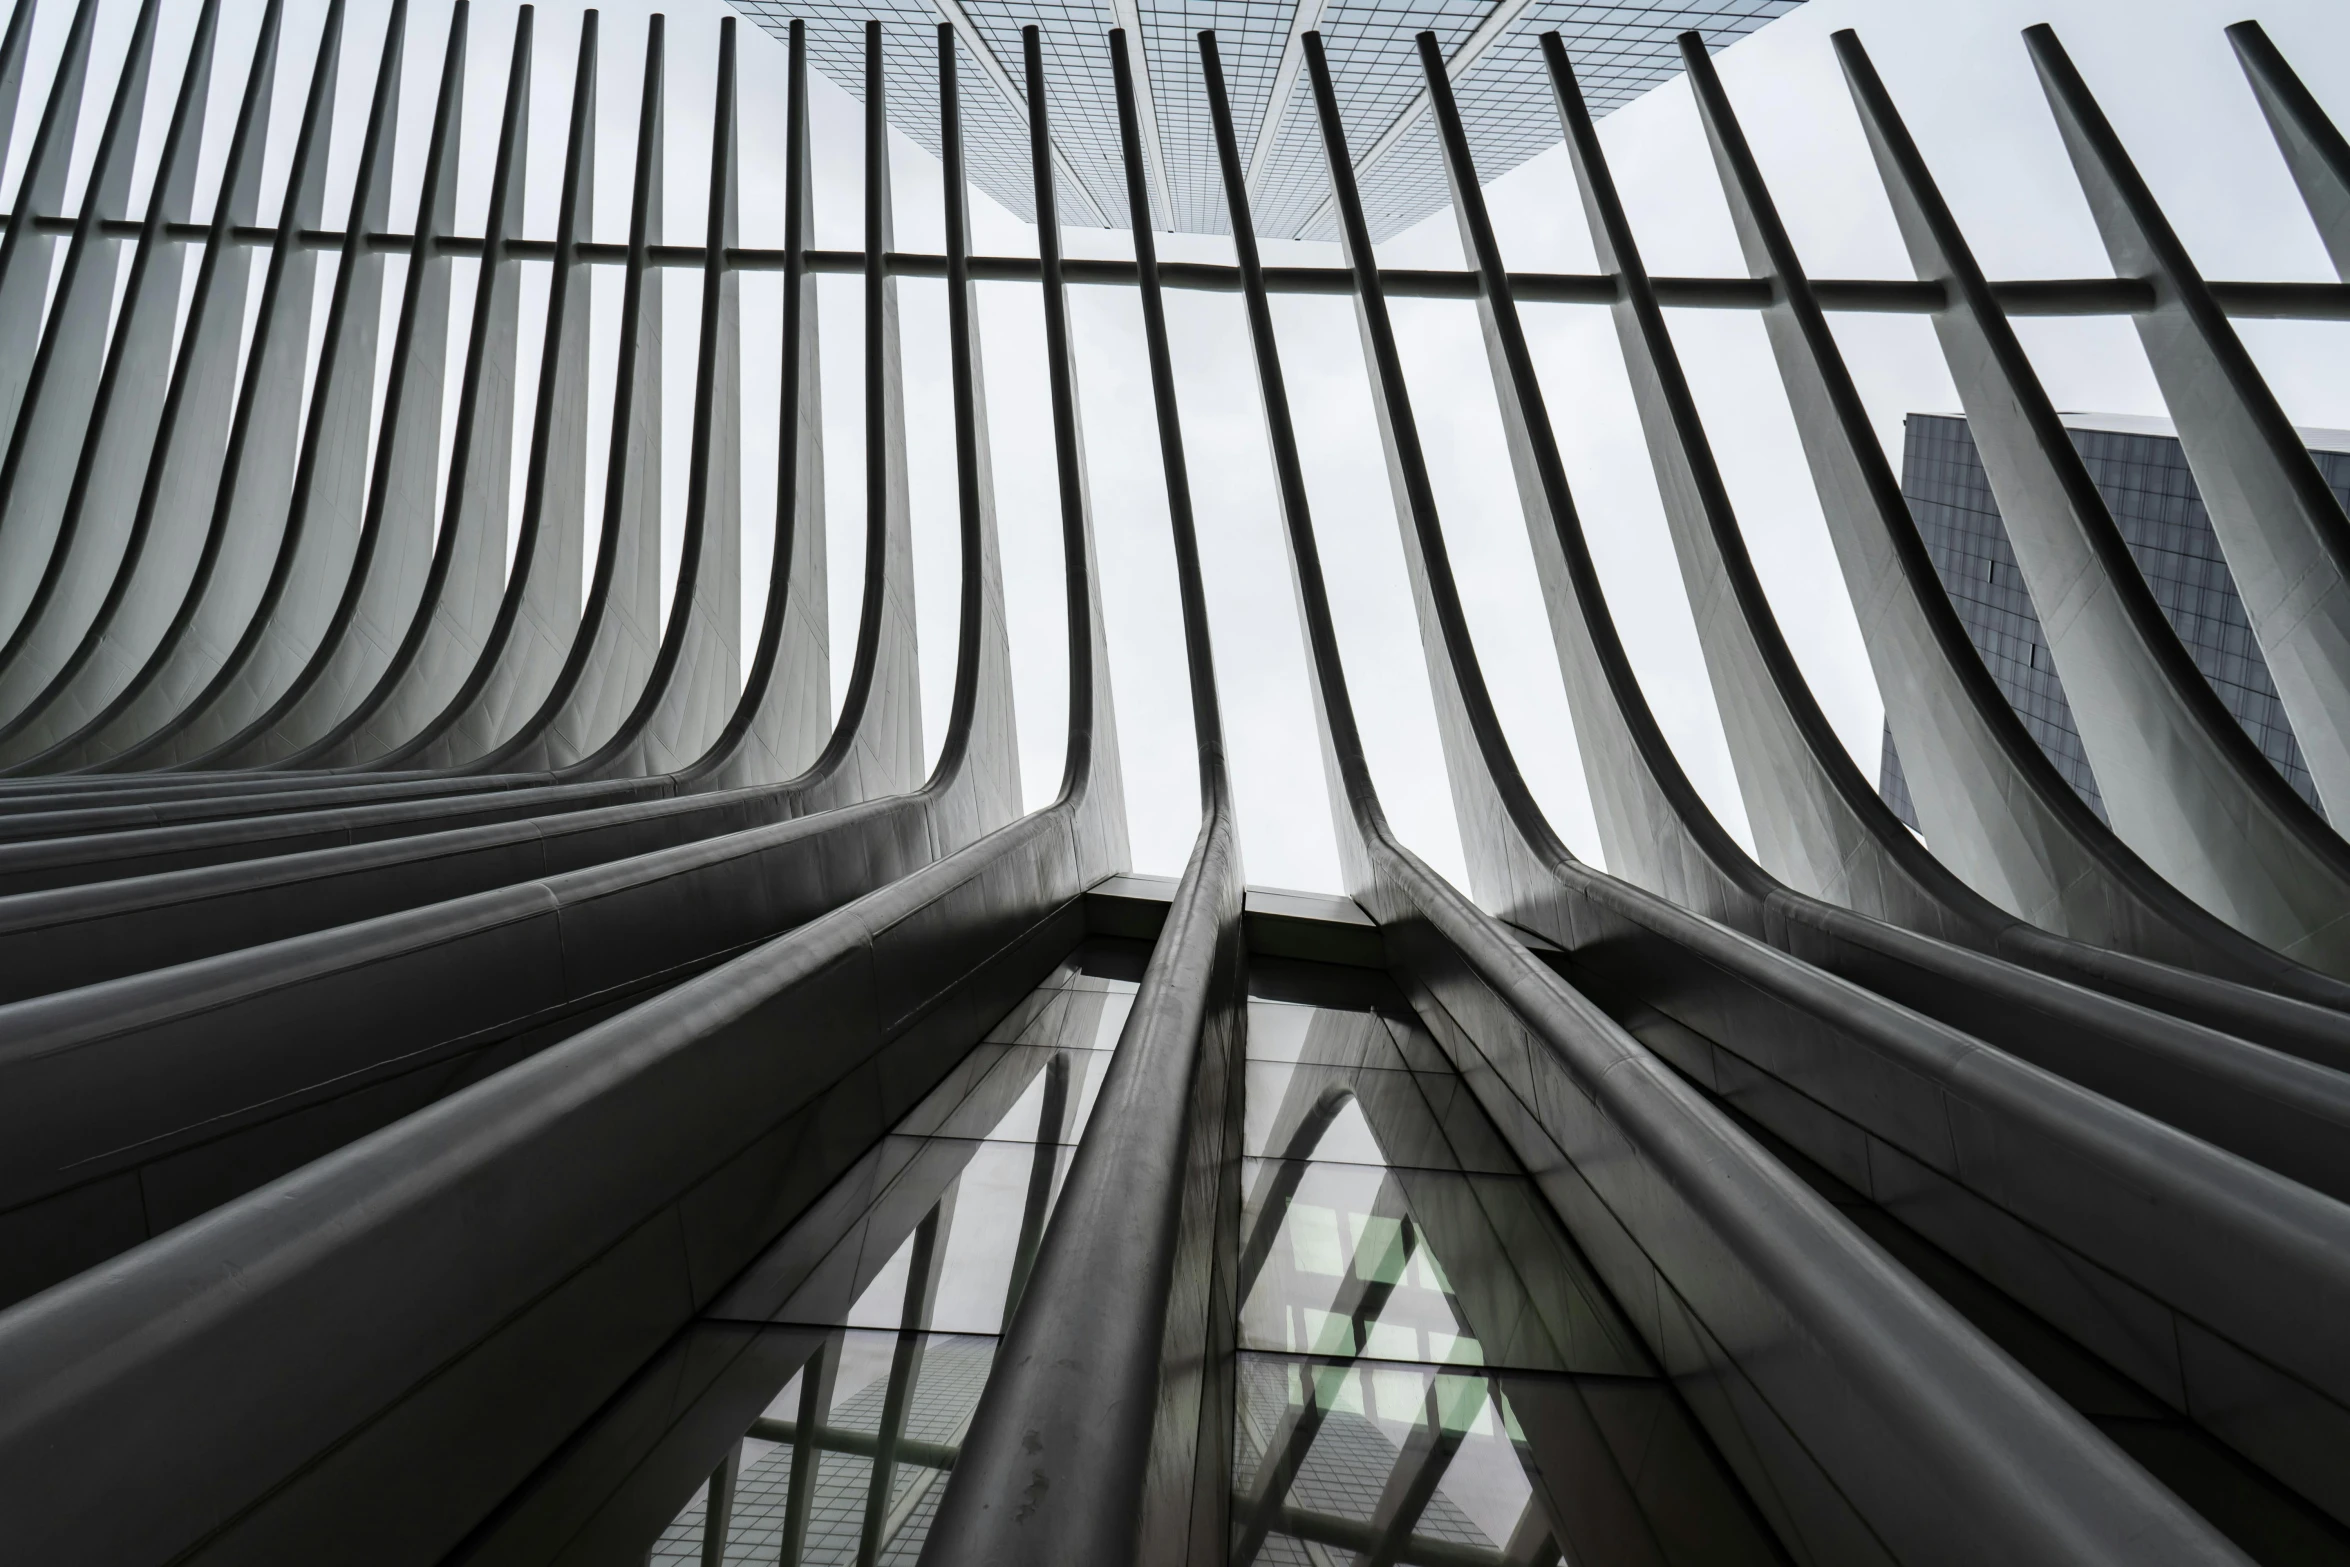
1958	70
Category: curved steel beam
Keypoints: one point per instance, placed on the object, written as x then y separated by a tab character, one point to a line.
464	569
730	759
104	841
538	614
1813	813
780	727
250	509
2314	150
25	248
1615	1120
325	563
895	696
13	44
2182	782
1102	1388
736	890
721	864
126	409
1824	1040
165	557
251	1062
58	395
619	625
428	984
376	512
313	871
2281	527
504	918
982	702
974	785
691	1133
691	688
1993	806
684	1118
1818	824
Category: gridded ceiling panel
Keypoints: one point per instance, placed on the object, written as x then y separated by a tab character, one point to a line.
1250	35
1620	51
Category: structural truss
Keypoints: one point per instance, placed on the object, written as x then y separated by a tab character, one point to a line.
492	1071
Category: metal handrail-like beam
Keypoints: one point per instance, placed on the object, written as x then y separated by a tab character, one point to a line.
2243	299
858	1444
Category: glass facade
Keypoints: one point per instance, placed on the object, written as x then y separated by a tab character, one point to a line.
2142	472
1425	1367
894	1293
1620	51
1410	1309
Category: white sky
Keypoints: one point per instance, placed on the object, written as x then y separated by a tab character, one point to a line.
1958	70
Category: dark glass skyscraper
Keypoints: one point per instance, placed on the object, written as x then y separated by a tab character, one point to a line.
2142	472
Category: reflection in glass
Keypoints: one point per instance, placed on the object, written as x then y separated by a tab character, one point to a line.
1340	1462
819	1492
1429	1371
913	1262
1425	1368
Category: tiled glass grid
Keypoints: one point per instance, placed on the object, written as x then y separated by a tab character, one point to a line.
1375	66
2145	480
1950	497
1340	1092
2152	495
1418	1336
968	1158
949	1374
1250	35
1372	1422
1620	51
1368	1165
1079	93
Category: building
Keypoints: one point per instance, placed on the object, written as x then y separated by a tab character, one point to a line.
497	1069
1622	50
2141	470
